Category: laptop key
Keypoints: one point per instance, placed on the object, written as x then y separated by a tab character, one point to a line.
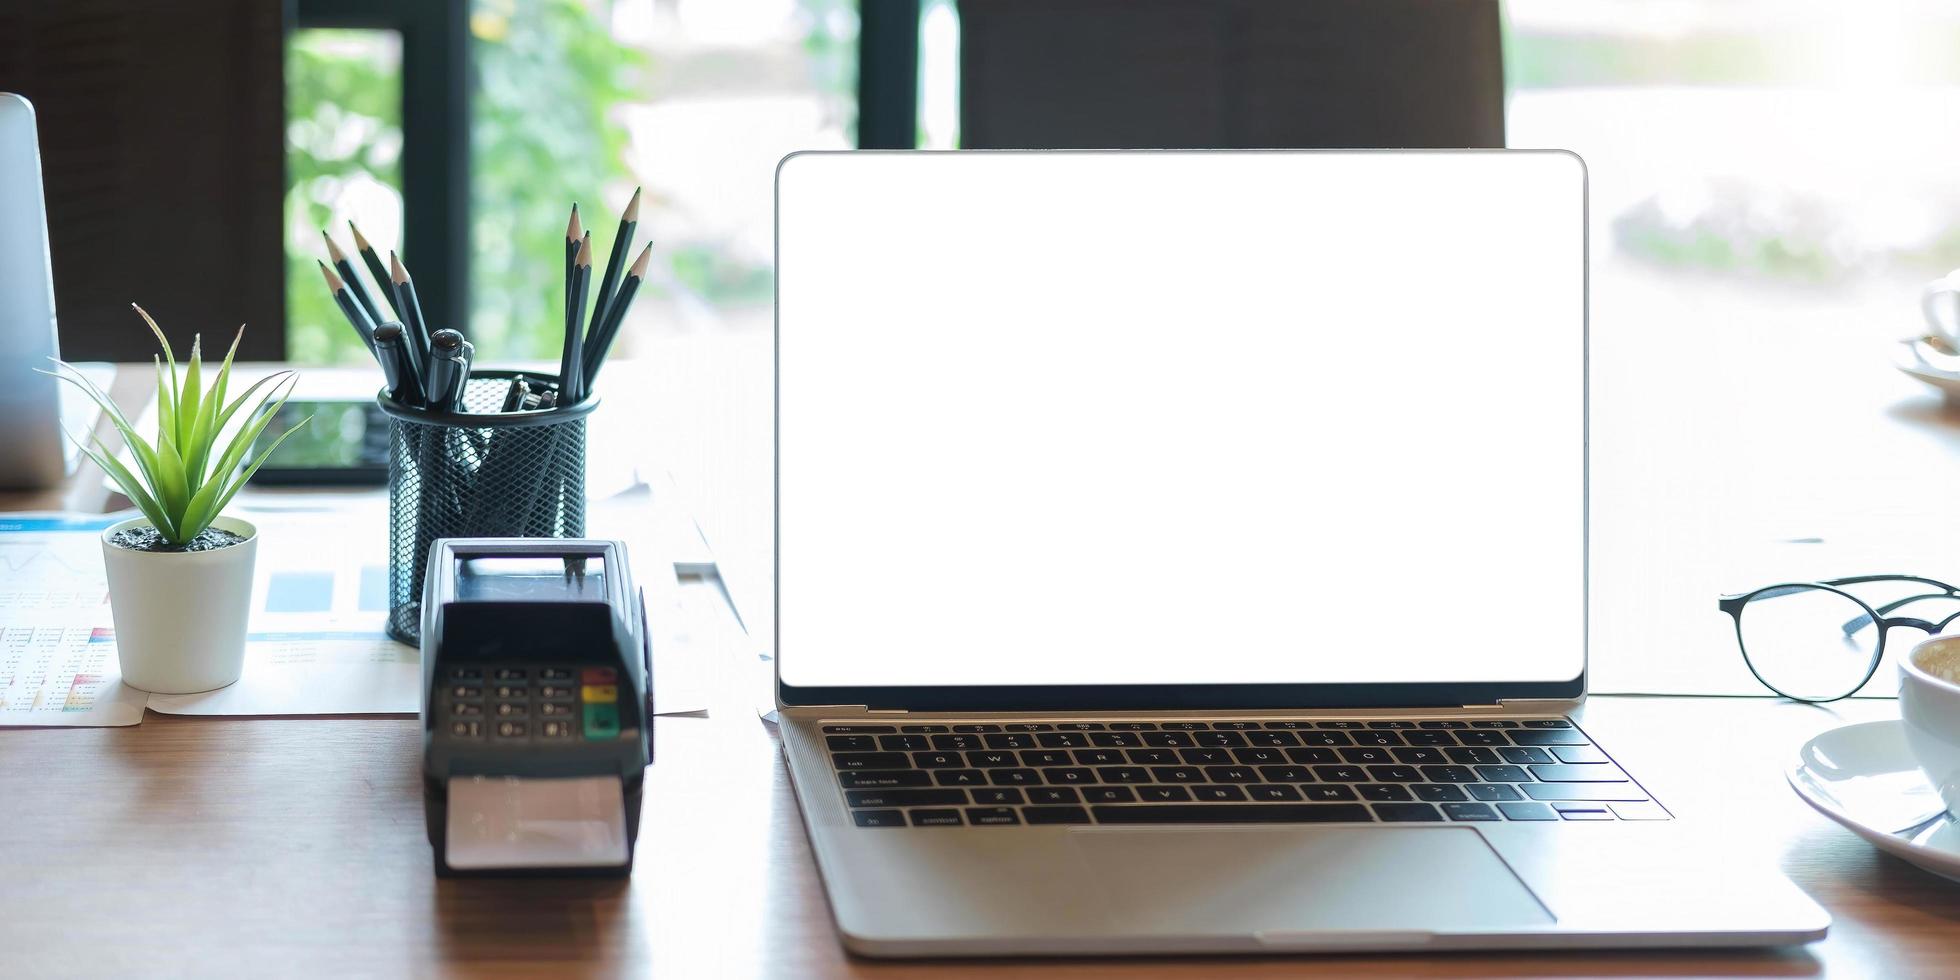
1115	740
993	816
1071	776
851	743
1527	811
904	743
1548	723
1279	740
1046	758
1327	792
1286	774
1178	774
957	743
1289	725
1218	794
1261	813
1123	774
1273	793
960	777
870	760
1168	740
1383	792
1493	792
887	778
1444	725
1015	740
1428	738
1493	724
1349	725
937	818
1366	756
1340	774
1474	757
1578	754
1313	757
1395	774
1325	738
1372	737
1259	757
1594	773
1153	757
938	760
1013	777
1185	726
858	729
1475	737
1030	726
1407	813
1206	757
925	730
1469	811
1219	739
1053	794
1596	792
879	818
1080	726
1109	794
1420	757
1526	755
1449	774
1133	726
1234	726
1231	774
1099	757
1434	793
1163	794
1055	814
1063	740
905	797
997	796
1503	774
976	728
1392	725
1555	736
992	760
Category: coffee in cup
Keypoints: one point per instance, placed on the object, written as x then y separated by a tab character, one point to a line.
1929	705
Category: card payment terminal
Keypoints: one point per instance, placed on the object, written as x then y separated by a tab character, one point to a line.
536	708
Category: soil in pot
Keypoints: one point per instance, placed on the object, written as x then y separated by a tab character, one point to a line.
147	538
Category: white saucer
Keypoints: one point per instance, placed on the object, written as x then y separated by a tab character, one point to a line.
1863	777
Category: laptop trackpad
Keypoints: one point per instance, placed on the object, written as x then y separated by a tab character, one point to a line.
1283	881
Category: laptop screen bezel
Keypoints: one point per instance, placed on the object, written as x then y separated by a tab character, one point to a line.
1185	697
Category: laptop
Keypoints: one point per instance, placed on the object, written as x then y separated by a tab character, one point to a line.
31	446
1185	552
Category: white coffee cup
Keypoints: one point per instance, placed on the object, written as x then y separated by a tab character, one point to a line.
1939	301
1930	707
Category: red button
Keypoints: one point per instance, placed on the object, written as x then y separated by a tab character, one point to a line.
597	675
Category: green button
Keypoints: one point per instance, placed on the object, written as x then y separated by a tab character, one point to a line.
601	721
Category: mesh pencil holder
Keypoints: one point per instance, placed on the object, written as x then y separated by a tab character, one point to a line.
477	473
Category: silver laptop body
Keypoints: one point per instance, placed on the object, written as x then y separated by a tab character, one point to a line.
1185	553
31	453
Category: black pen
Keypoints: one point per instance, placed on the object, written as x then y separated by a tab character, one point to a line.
445	370
515	395
404	383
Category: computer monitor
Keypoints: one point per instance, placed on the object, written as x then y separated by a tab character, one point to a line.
30	405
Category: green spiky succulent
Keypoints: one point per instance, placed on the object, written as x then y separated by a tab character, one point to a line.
183	481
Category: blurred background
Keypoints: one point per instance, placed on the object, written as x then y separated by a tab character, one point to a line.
1770	184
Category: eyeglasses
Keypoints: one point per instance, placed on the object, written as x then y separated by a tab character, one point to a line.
1813	641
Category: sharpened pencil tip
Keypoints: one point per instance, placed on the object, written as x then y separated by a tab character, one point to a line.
360	240
584	251
632	212
333	281
396	270
333	251
639	269
572	228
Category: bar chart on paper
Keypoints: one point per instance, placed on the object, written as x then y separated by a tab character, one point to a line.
57	652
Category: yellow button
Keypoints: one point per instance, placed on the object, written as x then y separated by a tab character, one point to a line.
600	693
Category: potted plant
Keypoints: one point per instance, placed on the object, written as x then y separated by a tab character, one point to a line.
180	576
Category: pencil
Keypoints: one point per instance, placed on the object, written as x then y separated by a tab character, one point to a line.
572	235
354	284
595	353
375	269
415	330
356	316
628	221
571	359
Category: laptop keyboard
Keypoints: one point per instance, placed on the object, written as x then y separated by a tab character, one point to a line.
1228	772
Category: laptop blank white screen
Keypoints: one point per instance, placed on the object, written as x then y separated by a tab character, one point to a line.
1180	418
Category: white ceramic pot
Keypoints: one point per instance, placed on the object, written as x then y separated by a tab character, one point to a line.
1930	708
180	616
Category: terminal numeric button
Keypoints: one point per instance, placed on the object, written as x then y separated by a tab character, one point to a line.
512	691
466	673
466	729
465	709
466	691
558	691
508	710
508	674
513	729
550	710
555	674
555	729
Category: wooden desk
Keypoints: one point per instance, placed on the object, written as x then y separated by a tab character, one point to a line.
296	847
